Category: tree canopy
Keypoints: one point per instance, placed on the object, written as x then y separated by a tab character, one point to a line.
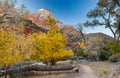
50	46
107	14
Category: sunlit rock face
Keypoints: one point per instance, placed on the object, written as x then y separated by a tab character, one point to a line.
44	13
39	18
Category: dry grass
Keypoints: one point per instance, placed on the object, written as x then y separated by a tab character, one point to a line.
104	69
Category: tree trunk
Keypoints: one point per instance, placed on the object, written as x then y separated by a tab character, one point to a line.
36	67
52	62
5	72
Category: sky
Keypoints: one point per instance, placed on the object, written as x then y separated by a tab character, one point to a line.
71	12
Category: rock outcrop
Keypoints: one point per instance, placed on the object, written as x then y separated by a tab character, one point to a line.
39	18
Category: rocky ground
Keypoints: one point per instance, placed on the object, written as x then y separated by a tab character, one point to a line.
105	69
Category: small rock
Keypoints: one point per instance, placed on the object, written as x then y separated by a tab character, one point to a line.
118	69
40	63
75	70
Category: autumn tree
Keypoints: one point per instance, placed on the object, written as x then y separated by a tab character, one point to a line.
51	22
22	46
23	14
11	15
13	48
7	54
7	43
50	46
106	14
7	9
22	10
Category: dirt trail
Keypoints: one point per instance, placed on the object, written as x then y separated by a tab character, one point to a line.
86	72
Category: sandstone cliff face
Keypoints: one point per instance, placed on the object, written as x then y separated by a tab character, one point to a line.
69	30
73	37
36	22
39	18
43	14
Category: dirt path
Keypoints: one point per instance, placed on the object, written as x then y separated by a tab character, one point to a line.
86	72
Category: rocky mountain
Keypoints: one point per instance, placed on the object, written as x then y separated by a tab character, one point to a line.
73	36
99	35
39	18
95	38
36	22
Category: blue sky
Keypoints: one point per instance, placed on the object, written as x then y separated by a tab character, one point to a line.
69	12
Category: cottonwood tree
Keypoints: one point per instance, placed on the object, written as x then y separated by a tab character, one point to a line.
106	14
51	22
7	9
8	54
7	43
48	47
13	48
22	10
10	15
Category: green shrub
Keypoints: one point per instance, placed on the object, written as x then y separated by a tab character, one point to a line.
79	52
115	58
115	49
104	52
103	56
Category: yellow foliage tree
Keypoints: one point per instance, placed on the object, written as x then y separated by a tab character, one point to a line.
22	47
51	22
7	43
50	46
12	48
82	45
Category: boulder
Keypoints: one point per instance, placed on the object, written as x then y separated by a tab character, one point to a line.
75	70
63	62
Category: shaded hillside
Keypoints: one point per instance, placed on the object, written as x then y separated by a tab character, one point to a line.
99	35
94	39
